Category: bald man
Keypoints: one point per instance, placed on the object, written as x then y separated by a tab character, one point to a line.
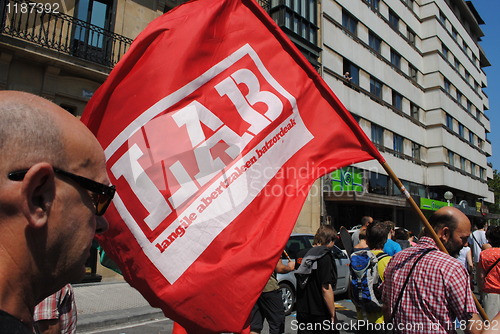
53	190
437	291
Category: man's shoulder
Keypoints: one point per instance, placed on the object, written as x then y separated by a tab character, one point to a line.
392	243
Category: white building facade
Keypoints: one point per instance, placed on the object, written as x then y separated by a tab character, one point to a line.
415	87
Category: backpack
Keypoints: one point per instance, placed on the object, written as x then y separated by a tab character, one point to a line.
365	280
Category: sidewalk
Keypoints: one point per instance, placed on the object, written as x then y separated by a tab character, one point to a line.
103	305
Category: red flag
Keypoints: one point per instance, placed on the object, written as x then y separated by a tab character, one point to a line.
214	128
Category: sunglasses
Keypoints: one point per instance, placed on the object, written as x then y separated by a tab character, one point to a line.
104	193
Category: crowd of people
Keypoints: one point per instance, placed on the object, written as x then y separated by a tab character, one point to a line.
404	286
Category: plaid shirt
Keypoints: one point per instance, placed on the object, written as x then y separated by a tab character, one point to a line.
438	291
61	305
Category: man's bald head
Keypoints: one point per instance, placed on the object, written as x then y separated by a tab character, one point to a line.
29	133
453	228
447	216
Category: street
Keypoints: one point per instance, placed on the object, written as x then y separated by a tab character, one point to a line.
345	312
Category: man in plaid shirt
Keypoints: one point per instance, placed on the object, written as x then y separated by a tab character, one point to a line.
438	290
56	314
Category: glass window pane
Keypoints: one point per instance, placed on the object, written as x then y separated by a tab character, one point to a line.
312	11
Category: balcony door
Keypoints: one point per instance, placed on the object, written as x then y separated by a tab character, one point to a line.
92	33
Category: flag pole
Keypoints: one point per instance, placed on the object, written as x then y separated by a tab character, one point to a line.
428	226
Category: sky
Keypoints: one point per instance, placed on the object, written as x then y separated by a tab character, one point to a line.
489	10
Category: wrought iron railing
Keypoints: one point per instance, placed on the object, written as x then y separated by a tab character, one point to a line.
49	28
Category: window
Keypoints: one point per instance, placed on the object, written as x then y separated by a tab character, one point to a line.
377	184
480	143
461	130
454	33
478	113
298	16
476	86
351	71
414	111
457	64
462	163
377	135
412	71
374	41
464	46
447	86
445	51
398	145
394	20
376	87
469	106
415	151
349	22
471	137
411	36
473	169
459	97
481	173
474	59
397	100
442	18
467	76
395	59
374	4
449	122
451	158
409	3
356	117
98	13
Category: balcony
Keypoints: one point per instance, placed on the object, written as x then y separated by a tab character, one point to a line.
49	28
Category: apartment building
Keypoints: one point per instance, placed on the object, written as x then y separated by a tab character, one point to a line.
410	72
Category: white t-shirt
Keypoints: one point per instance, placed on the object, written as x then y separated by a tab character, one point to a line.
480	236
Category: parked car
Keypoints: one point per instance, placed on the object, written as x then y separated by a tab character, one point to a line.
288	283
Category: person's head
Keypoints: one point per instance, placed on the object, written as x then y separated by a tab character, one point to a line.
376	235
365	221
47	215
390	228
325	236
410	235
452	228
493	236
362	234
400	234
480	224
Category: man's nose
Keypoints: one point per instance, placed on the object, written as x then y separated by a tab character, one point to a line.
101	225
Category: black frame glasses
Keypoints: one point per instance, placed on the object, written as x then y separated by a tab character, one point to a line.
104	193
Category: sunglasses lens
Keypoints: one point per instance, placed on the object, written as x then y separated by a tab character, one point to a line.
103	202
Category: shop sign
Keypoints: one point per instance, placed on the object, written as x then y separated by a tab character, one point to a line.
431	204
347	179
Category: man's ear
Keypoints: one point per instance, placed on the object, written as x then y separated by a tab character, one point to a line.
38	192
445	234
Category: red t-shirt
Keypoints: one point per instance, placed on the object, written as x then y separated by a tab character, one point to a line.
487	259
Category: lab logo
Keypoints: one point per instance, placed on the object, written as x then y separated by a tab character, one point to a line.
196	159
